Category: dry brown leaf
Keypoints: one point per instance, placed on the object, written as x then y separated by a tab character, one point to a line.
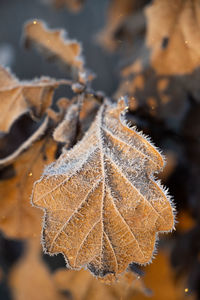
89	288
18	218
17	97
57	116
54	42
66	131
88	112
103	208
173	35
77	120
118	11
81	285
30	278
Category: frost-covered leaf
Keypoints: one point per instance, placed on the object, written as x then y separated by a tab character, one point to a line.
103	208
77	120
67	130
62	106
19	97
55	43
173	35
53	117
18	219
88	112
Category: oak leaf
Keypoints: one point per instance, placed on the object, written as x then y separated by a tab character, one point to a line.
62	106
103	208
88	112
77	120
66	131
53	117
19	97
173	36
18	218
54	43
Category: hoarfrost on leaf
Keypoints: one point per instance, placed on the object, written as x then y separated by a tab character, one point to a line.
103	207
54	43
19	97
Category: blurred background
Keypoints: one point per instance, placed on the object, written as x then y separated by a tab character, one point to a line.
146	50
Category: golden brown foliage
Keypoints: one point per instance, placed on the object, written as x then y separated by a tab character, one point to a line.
103	208
77	120
161	278
173	35
117	12
18	97
67	129
128	286
54	43
18	218
165	67
31	279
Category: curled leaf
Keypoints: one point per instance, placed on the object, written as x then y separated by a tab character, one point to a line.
18	97
67	129
103	208
55	43
57	116
77	120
